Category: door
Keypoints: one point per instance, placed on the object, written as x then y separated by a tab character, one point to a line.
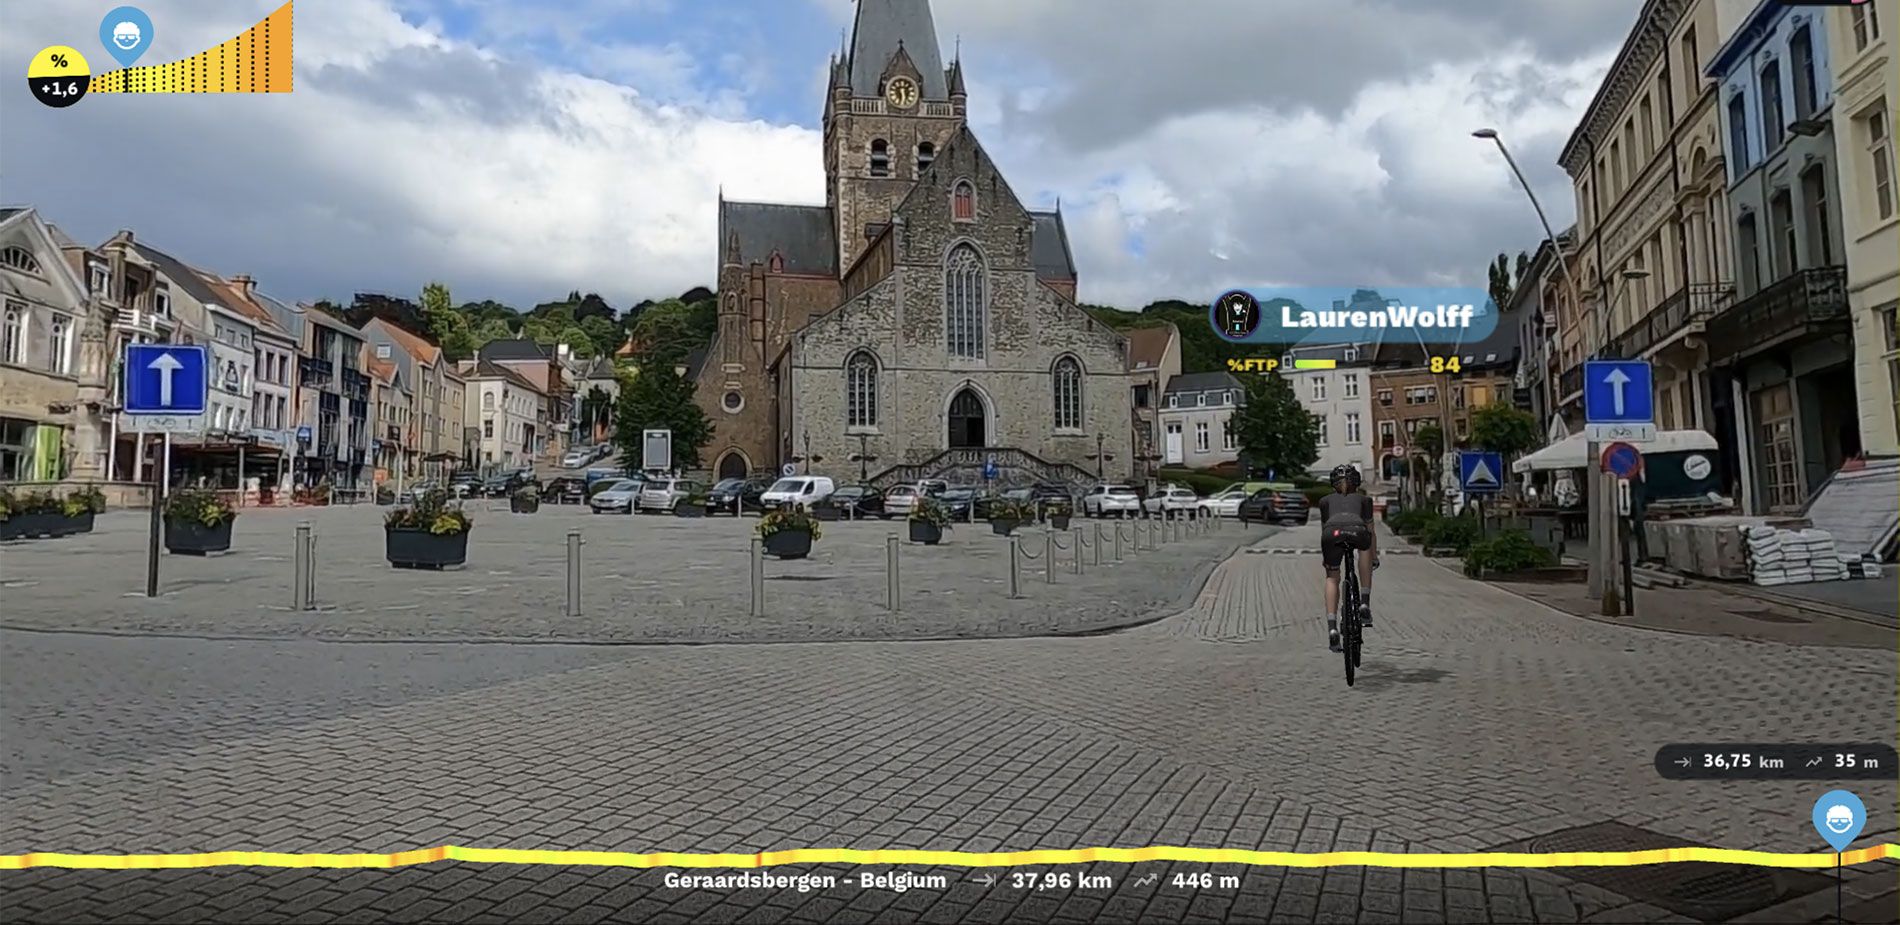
1774	435
732	466
1173	452
968	428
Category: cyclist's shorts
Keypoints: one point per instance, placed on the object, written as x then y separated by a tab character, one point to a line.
1335	539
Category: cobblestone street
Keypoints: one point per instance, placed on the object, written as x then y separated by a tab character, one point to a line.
1481	721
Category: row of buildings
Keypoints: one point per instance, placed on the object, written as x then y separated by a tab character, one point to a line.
299	396
1737	227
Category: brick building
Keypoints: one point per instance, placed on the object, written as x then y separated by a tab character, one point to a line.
922	309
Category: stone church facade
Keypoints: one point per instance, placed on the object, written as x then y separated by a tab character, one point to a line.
924	315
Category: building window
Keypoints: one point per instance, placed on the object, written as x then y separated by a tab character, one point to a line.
1866	25
1227	440
59	344
1890	341
13	334
101	279
963	202
1781	225
1200	436
1801	58
1141	395
860	390
1174	401
488	401
732	402
1319	422
1385	396
1771	124
1318	388
19	258
1691	60
162	302
1647	114
880	158
1457	397
926	153
1880	154
1738	133
1388	434
1820	240
1750	252
1353	436
1067	389
1351	383
964	308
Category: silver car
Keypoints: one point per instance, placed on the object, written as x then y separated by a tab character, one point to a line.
617	498
900	499
666	494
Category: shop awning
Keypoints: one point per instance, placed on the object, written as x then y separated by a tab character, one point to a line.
1569	453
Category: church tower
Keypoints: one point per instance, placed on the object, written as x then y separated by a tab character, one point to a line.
890	109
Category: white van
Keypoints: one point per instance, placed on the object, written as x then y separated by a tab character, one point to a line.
797	490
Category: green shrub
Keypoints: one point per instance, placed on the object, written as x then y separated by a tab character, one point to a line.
1413	521
1315	492
930	511
1203	483
198	505
1456	533
87	500
1509	551
432	512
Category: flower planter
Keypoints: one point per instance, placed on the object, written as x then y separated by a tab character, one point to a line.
1059	521
416	548
789	544
524	505
826	512
193	538
30	526
684	509
79	524
1004	527
925	532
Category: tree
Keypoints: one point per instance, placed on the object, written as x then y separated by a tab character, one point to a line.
1273	430
576	340
605	336
592	305
446	326
669	330
492	330
597	409
1504	429
654	398
1499	273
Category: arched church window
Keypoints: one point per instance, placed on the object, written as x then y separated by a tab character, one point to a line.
963	202
964	306
926	153
880	158
20	259
860	390
1067	388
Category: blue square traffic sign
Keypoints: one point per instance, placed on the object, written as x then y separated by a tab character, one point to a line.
1618	392
1481	473
166	379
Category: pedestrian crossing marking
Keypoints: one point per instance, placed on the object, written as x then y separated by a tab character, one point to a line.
899	856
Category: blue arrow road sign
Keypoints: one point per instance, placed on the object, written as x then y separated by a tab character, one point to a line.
1481	473
166	379
1623	460
1618	392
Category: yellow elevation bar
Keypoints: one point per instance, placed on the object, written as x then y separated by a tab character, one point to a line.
945	858
1315	364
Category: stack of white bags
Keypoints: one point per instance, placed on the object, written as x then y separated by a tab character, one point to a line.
1784	557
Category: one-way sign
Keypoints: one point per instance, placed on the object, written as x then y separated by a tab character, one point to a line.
170	379
1478	472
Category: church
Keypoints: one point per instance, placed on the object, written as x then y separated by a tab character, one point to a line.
923	320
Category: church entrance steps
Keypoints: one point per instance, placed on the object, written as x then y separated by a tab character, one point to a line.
1015	468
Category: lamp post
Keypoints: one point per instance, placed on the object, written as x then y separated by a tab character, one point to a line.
1609	314
1601	558
1101	456
807	459
864	458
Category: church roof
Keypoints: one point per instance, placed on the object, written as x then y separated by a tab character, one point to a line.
1049	247
1148	346
881	26
803	235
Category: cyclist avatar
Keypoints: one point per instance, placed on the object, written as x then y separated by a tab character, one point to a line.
1346	522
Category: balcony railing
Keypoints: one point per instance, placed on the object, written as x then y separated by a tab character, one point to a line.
1690	305
1806	302
1571	382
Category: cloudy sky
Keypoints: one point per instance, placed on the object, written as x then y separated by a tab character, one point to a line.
516	153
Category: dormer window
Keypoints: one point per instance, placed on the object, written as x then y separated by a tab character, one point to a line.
776	262
926	152
963	202
880	158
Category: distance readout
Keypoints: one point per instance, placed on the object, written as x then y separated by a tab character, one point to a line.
1755	761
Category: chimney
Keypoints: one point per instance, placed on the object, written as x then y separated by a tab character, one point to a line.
244	283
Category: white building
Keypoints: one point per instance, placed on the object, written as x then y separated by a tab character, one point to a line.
1340	401
507	409
1194	415
1866	84
233	350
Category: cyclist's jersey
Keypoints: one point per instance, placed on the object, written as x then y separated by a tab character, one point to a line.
1337	510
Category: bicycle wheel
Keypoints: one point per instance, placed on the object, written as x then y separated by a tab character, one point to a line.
1349	618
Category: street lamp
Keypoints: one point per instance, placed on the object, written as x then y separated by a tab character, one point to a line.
864	458
1491	135
1100	455
807	459
1609	314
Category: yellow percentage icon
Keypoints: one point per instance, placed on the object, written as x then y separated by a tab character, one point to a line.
58	76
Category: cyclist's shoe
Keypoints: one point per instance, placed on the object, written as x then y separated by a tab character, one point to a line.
1365	614
1332	640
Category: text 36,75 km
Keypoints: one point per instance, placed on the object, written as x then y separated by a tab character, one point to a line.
1783	761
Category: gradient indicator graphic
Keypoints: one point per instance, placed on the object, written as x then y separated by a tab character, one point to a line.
257	60
57	75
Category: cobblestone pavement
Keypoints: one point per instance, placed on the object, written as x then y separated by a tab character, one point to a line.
1482	720
645	579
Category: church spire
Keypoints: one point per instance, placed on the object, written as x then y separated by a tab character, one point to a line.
883	28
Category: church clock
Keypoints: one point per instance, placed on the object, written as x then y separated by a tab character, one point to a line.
901	92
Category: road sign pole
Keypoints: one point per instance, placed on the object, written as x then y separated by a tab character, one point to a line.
152	541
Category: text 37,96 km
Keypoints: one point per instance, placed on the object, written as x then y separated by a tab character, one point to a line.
1728	761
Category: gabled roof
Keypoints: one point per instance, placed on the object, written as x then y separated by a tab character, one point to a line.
488	369
880	28
383	370
516	349
236	301
804	236
63	268
694	362
601	368
411	343
1049	247
1202	382
181	275
1148	346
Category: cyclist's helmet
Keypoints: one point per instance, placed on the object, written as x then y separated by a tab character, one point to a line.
1346	476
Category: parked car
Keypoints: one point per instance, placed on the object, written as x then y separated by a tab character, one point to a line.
618	497
986	504
567	489
421	489
748	490
1224	504
579	456
1171	500
900	499
665	494
507	483
465	484
957	502
1111	501
1278	504
857	502
932	487
803	490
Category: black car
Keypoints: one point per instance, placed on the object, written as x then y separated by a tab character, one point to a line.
1274	505
565	490
957	502
857	502
465	484
747	490
501	486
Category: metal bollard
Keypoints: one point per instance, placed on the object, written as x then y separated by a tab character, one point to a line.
1118	544
1075	546
1048	557
1177	529
573	573
300	580
758	577
310	577
892	599
1098	544
1015	580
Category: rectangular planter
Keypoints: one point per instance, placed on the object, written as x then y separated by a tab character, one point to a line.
415	548
10	528
826	512
31	526
519	506
81	523
689	510
925	532
1059	521
789	544
1003	527
193	538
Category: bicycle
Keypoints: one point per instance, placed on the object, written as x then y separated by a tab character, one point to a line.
1350	632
